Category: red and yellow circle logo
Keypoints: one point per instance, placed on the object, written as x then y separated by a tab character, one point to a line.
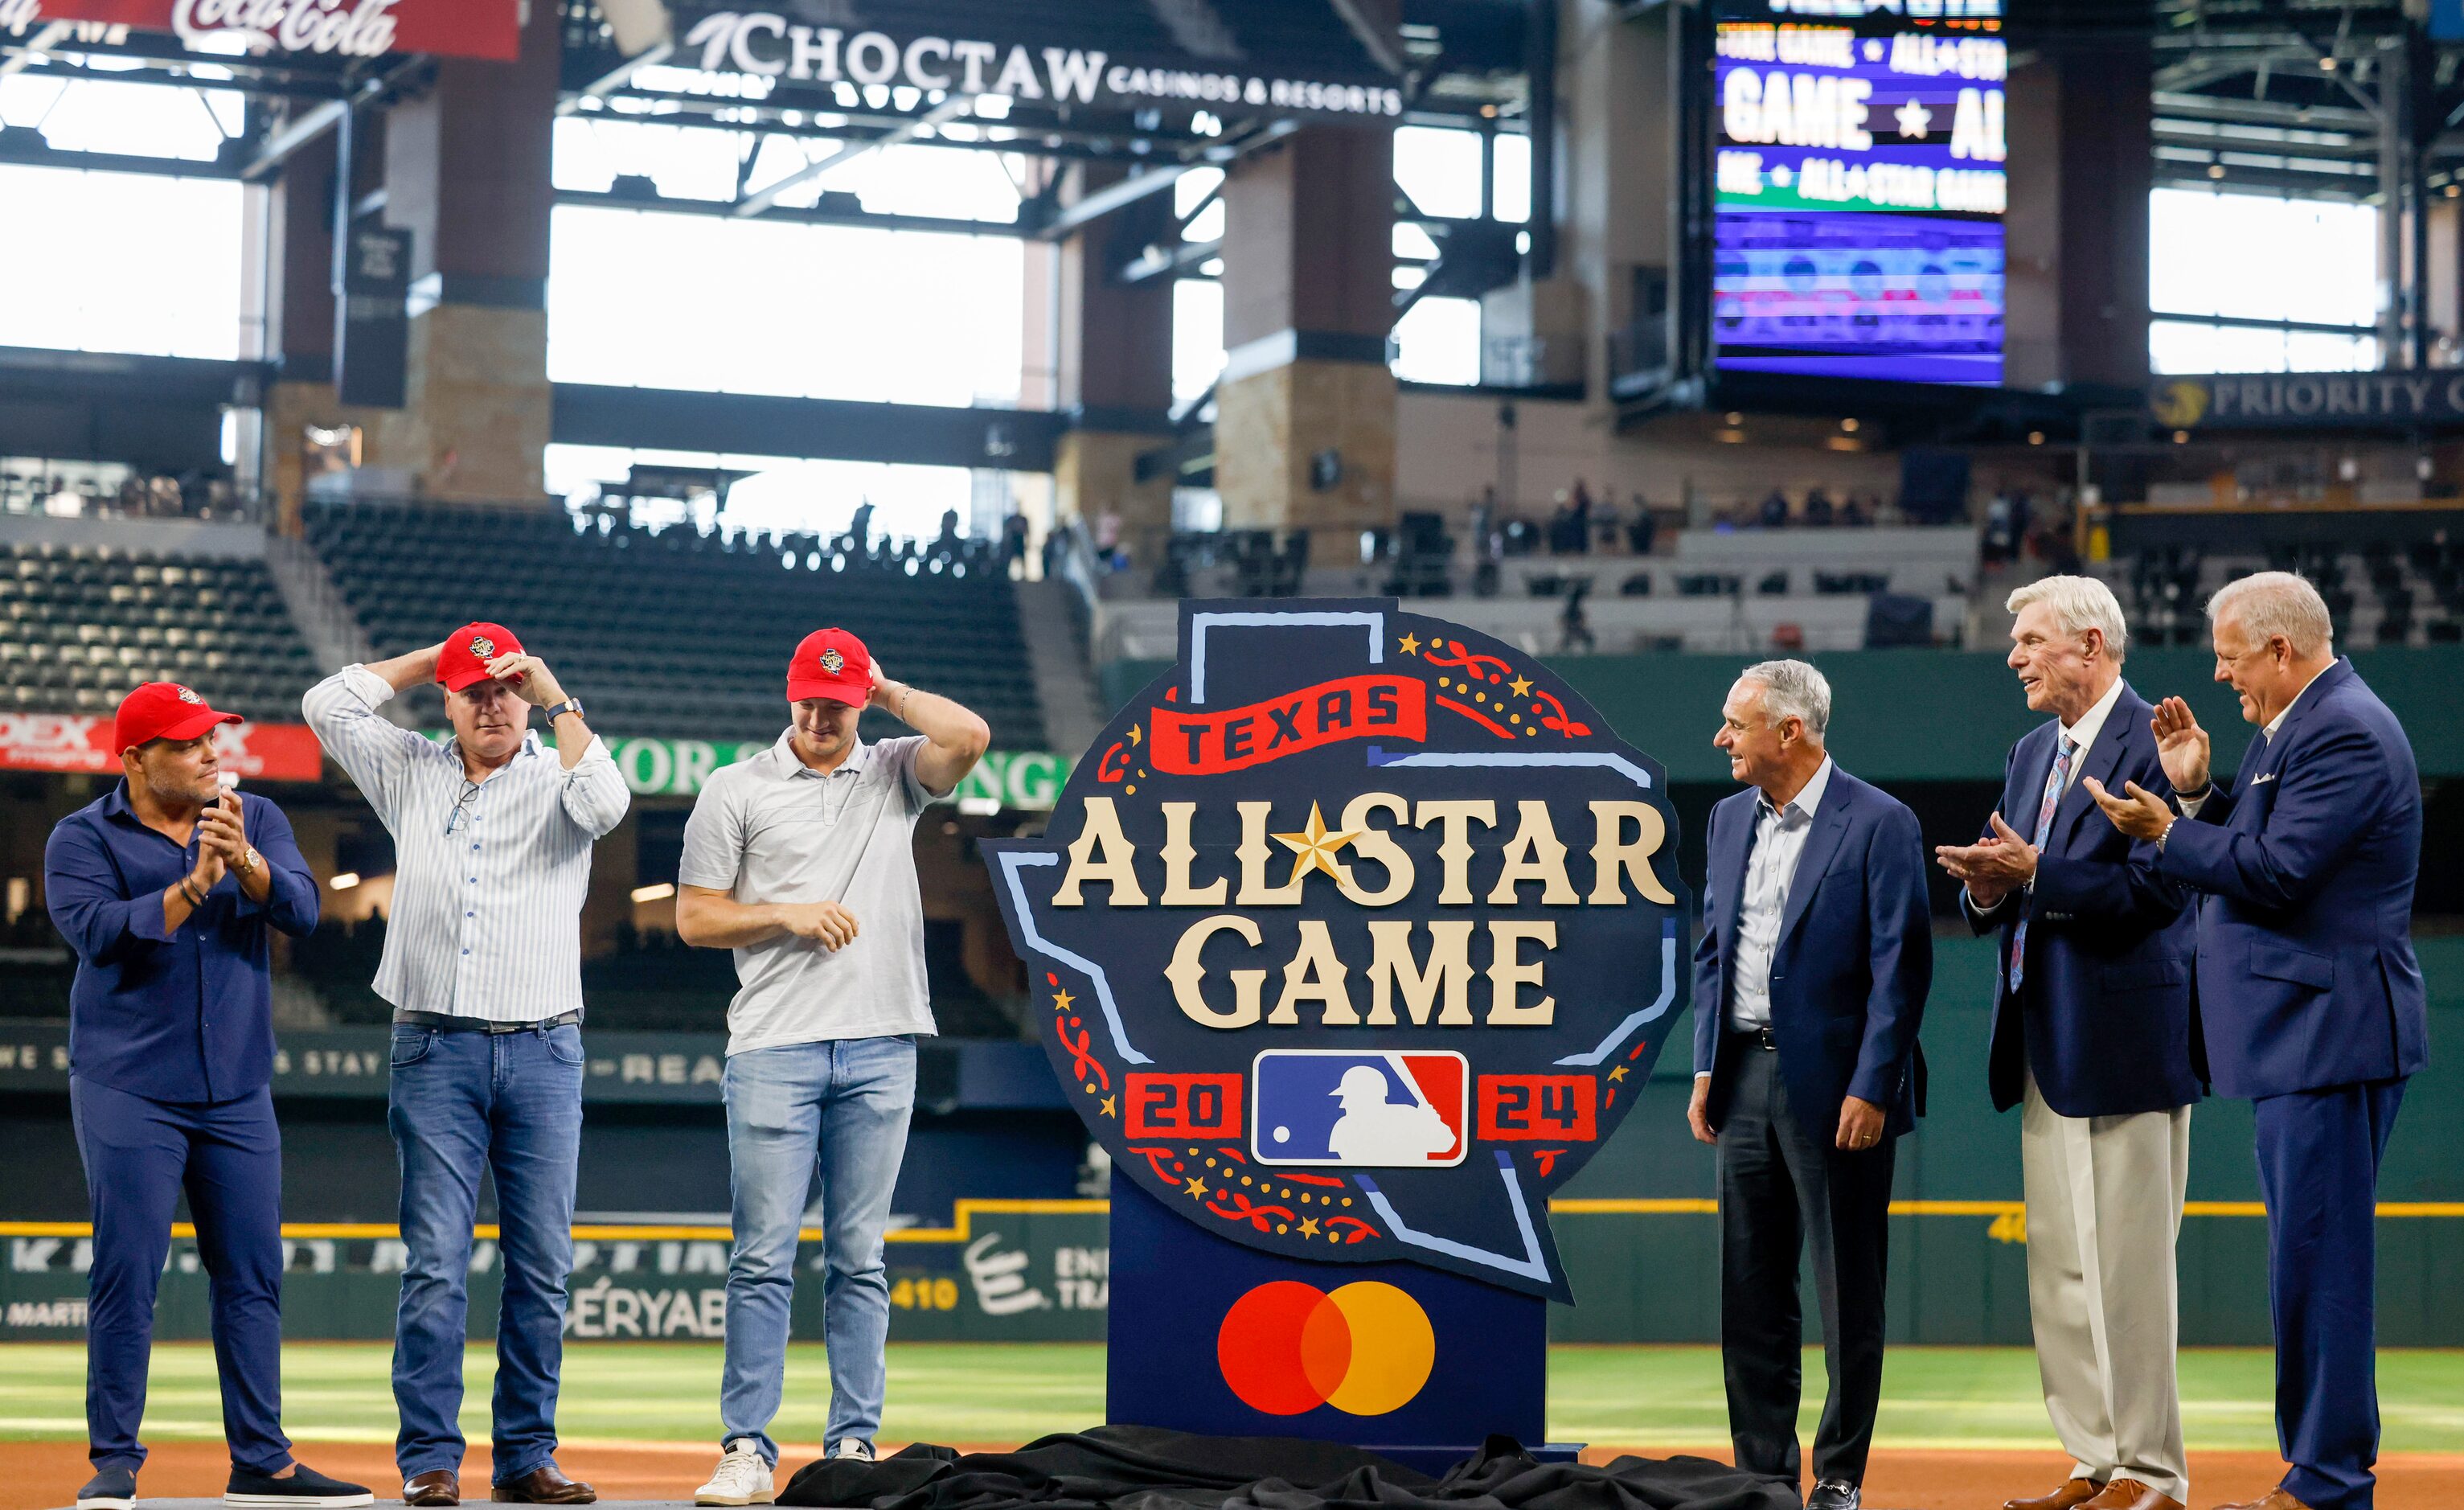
1365	1348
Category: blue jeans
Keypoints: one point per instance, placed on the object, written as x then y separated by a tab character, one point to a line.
463	1105
842	1107
140	1154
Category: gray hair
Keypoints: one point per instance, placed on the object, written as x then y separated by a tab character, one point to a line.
2273	603
1792	689
2078	604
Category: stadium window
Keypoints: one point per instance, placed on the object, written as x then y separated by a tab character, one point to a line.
652	299
1438	341
92	243
1513	194
2217	309
1197	337
1191	191
648	299
1439	171
788	494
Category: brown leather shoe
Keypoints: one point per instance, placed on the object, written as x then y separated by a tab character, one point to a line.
438	1486
2075	1492
2129	1493
543	1485
2276	1499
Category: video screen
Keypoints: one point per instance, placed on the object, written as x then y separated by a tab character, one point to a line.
1859	189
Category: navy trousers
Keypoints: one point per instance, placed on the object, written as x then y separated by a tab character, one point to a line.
139	1155
2319	1168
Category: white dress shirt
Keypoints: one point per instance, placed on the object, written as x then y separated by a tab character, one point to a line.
2190	805
2081	736
490	875
1779	843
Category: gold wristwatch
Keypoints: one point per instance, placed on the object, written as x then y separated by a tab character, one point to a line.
248	862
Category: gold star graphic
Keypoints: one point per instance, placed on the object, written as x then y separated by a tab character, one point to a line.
1617	1073
1409	645
1522	686
1061	1003
1198	1186
1135	735
1314	849
1108	1109
1308	1227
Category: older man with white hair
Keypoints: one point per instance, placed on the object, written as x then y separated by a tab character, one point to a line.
2092	1039
1809	985
2309	994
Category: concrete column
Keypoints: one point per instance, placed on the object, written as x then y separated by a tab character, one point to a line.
295	282
1108	346
1308	305
467	171
2076	259
1616	228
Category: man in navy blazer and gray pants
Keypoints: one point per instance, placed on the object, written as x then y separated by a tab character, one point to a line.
2093	1039
1809	985
2309	994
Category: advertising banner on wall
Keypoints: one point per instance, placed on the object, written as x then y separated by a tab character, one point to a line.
907	49
1026	780
1858	188
68	742
338	28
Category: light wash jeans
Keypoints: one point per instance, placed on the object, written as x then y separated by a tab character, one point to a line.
463	1105
840	1108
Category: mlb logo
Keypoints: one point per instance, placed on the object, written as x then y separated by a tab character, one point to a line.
1359	1110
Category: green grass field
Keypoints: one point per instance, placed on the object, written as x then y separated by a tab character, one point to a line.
1010	1392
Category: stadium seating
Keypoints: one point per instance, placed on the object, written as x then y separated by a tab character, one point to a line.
674	633
81	625
2376	595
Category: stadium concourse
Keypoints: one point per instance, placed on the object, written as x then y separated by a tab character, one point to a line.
1637	342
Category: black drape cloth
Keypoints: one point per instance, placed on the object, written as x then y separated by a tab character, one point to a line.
1146	1468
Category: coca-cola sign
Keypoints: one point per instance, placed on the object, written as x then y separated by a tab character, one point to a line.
335	28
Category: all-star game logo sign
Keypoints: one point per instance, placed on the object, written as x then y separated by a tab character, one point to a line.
1355	936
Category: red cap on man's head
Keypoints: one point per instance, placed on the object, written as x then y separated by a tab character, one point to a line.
162	710
468	651
831	663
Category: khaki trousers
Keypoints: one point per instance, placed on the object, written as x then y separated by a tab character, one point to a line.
2104	1206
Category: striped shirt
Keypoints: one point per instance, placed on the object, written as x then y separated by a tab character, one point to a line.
490	875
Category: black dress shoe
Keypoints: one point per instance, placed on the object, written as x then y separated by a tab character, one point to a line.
543	1485
1832	1493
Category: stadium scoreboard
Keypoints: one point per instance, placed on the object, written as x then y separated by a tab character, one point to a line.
1858	188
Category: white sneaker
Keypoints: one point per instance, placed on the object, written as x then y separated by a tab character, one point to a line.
853	1447
742	1478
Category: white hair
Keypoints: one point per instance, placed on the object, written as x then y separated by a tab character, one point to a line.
2273	603
1792	689
2079	603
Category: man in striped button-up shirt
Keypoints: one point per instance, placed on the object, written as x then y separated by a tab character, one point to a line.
482	963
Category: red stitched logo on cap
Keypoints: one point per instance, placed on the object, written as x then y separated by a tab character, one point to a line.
832	661
185	695
482	646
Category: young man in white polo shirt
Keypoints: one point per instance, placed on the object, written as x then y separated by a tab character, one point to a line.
802	859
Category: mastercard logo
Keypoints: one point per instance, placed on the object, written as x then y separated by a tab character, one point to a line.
1365	1348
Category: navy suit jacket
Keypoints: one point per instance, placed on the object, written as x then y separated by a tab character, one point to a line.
2306	972
2107	1022
1853	965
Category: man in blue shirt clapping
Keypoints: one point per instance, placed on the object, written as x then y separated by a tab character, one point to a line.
165	888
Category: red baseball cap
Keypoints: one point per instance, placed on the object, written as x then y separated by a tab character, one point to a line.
831	663
162	710
468	651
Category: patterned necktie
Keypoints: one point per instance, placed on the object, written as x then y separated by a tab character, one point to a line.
2056	781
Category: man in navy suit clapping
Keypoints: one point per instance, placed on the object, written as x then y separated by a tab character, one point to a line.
1809	985
2092	1039
2309	994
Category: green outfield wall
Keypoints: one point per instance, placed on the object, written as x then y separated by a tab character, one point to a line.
1637	1228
